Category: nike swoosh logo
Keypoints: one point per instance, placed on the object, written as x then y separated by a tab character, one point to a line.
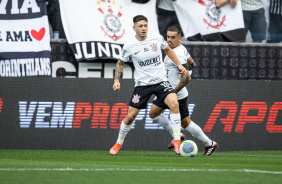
136	52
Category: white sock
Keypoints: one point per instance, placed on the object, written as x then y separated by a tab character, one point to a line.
163	121
198	133
176	125
124	129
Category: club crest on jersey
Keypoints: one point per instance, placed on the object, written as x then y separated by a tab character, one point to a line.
154	47
111	24
136	98
166	60
215	20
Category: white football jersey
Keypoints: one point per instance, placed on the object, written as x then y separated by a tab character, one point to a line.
147	59
172	69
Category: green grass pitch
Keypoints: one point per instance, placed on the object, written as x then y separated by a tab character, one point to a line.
134	167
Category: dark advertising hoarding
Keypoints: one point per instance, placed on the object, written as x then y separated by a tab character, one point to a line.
214	60
85	114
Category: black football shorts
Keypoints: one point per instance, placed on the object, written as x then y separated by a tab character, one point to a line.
142	94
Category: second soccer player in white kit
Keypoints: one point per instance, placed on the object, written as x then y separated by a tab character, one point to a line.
179	82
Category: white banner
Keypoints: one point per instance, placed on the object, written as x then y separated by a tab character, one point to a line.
24	39
202	17
30	35
106	21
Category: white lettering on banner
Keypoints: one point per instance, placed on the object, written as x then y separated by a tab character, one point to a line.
41	114
88	70
26	114
25	67
118	48
60	117
86	54
97	50
15	5
78	54
27	4
3	5
67	66
104	50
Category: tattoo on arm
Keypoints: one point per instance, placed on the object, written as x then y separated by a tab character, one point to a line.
119	69
183	82
191	63
185	78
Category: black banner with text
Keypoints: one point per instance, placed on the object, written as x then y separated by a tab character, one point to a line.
214	60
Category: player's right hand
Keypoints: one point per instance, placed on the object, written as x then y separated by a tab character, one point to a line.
182	70
116	85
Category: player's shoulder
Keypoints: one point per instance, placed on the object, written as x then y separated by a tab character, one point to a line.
154	35
180	49
129	42
183	48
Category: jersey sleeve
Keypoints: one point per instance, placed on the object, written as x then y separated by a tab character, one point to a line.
186	53
182	59
163	43
125	54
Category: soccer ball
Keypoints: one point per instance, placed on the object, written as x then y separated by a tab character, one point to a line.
188	148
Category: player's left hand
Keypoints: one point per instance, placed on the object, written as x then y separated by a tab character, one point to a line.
182	69
116	86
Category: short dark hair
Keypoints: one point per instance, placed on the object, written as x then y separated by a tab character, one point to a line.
175	29
138	18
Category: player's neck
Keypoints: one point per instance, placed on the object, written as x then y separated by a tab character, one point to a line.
140	38
175	46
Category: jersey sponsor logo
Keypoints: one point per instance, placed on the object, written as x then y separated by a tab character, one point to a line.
153	61
154	47
136	98
146	49
111	21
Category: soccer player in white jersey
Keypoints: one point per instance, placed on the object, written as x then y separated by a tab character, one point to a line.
145	52
179	82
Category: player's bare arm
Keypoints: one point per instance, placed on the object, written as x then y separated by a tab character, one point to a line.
170	53
220	3
185	78
118	72
191	63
